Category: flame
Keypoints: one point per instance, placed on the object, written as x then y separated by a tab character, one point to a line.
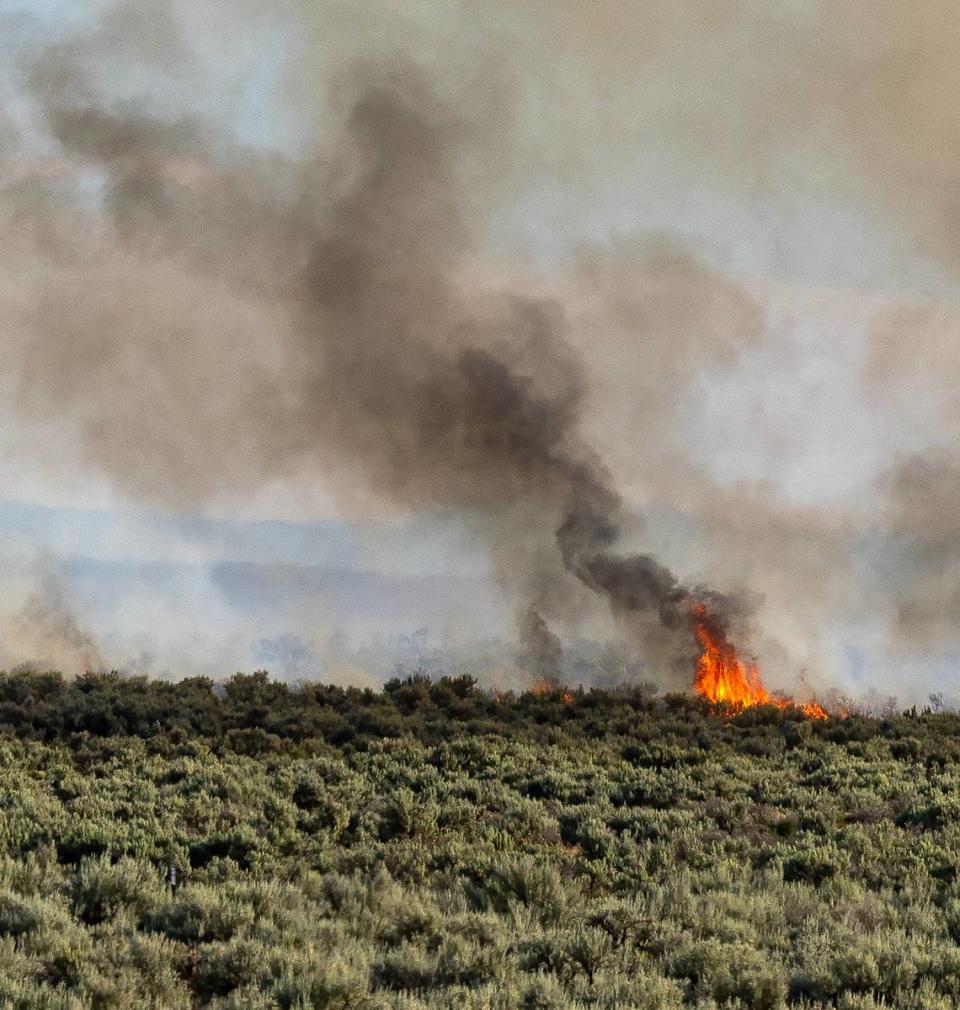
723	677
815	710
548	685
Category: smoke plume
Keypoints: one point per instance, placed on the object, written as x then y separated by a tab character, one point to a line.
433	394
219	275
45	632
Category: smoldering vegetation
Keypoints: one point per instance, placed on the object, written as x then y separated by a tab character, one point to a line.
202	315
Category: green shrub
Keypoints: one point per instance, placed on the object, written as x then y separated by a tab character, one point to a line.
201	914
527	881
18	915
433	847
225	967
101	888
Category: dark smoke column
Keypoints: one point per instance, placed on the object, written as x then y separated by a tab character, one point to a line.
441	394
389	371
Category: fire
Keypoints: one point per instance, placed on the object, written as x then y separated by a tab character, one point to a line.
816	711
548	685
723	677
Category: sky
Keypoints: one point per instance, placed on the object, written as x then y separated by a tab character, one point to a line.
736	220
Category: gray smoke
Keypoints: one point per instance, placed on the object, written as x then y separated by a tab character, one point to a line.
541	649
45	631
385	368
200	316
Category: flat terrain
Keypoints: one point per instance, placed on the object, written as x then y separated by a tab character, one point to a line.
432	846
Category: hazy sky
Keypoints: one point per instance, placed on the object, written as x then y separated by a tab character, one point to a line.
742	212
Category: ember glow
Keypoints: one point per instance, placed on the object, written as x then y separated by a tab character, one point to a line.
724	678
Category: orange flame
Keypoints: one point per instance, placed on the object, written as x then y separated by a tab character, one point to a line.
723	677
548	685
815	710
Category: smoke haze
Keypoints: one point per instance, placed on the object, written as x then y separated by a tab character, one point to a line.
655	306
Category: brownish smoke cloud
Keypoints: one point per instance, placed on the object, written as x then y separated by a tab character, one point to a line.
381	360
45	631
209	315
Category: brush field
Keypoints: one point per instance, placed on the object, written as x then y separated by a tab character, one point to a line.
431	846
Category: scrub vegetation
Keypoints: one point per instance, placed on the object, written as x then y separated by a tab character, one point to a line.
434	846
